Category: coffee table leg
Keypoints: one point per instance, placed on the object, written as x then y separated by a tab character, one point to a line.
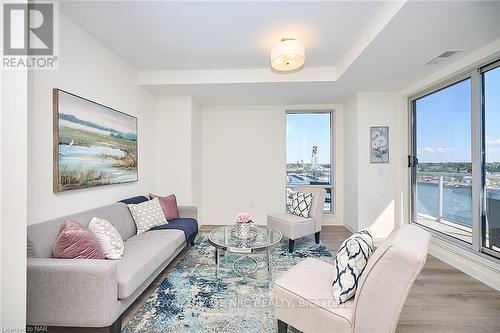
269	268
217	260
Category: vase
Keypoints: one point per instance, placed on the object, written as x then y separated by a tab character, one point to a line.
244	230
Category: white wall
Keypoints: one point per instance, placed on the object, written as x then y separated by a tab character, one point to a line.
370	192
173	150
243	158
196	155
350	164
1	186
243	161
178	149
13	199
88	69
377	183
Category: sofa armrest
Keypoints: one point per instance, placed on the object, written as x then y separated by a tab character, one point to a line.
188	212
71	292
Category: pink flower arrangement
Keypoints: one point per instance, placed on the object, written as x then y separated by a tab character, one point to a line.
243	218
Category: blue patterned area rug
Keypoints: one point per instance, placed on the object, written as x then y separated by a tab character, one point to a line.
191	298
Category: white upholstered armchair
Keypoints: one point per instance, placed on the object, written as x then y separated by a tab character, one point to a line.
293	226
304	299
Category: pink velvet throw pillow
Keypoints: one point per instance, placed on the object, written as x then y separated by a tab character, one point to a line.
168	205
76	241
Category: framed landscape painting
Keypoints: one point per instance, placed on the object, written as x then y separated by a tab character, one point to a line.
94	145
379	144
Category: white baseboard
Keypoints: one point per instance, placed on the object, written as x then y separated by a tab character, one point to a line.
350	228
480	268
333	223
332	219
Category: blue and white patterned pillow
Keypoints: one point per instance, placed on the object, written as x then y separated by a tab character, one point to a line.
350	262
301	204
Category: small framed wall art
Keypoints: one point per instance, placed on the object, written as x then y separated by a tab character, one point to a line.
379	144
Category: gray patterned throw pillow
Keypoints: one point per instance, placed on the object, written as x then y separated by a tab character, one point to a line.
350	261
147	215
301	204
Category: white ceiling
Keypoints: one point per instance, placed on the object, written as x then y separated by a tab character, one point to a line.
371	46
220	35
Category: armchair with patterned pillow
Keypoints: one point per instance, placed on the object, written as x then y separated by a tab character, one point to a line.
303	221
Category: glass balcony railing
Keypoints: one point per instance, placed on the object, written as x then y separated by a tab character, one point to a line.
444	203
446	197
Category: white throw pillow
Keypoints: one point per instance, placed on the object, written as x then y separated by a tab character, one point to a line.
301	204
109	238
147	215
350	261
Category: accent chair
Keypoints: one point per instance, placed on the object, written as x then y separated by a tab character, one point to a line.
293	226
304	299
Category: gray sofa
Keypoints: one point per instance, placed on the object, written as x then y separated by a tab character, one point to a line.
95	293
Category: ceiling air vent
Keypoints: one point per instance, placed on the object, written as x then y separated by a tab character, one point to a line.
446	55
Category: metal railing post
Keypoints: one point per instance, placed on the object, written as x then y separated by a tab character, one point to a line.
440	198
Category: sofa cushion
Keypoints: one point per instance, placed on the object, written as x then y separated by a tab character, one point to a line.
305	300
42	236
135	200
110	240
301	204
350	262
169	206
144	254
76	241
147	215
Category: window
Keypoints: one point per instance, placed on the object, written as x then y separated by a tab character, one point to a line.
309	152
455	159
443	183
491	128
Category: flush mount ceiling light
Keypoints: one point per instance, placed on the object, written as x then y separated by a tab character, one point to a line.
288	55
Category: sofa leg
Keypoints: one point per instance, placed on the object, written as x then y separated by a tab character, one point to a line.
291	243
116	327
316	237
282	327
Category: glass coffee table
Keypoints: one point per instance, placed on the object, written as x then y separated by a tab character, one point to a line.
262	239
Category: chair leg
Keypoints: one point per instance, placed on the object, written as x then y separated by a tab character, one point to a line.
116	327
291	243
316	237
282	327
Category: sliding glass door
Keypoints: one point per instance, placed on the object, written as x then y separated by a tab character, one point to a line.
443	182
491	127
455	159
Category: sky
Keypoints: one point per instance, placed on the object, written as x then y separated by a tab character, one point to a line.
444	122
305	130
103	116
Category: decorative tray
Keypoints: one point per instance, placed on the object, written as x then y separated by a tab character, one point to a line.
252	234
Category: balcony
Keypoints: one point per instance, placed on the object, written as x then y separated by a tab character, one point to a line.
444	202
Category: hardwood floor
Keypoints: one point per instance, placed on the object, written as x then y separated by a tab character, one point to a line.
443	299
